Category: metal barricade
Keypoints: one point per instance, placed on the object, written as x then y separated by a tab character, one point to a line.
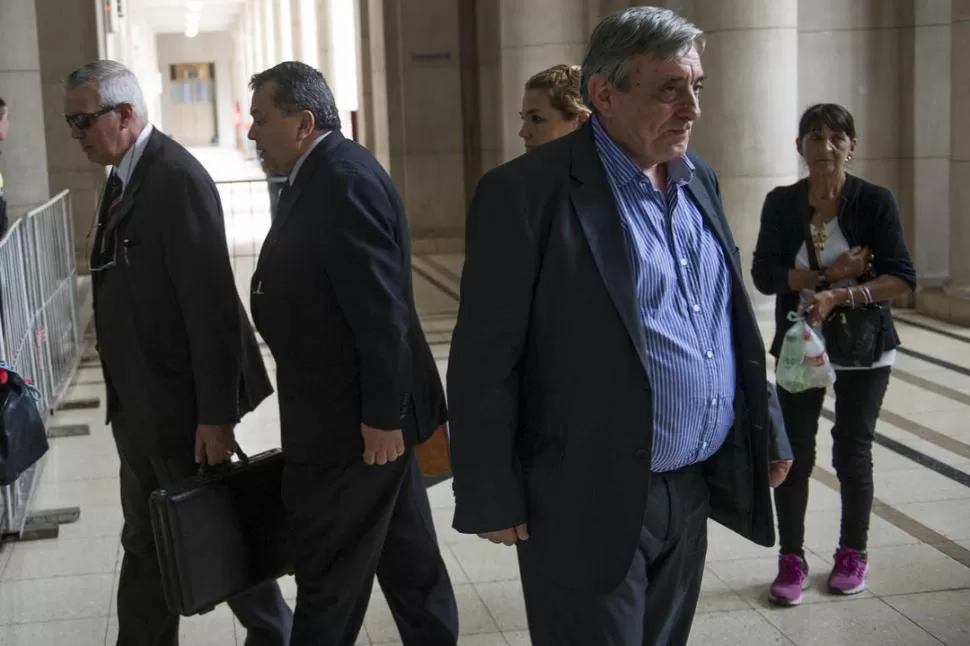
248	207
39	335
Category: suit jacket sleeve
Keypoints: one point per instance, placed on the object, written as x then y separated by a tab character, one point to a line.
779	447
365	261
501	266
197	260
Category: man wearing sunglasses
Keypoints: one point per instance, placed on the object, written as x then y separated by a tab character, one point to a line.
181	362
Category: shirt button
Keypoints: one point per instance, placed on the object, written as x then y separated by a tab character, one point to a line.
683	261
703	445
709	354
714	402
697	308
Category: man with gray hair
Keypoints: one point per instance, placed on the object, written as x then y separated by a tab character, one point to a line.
181	362
607	380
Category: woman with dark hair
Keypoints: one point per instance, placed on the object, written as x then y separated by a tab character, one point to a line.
831	247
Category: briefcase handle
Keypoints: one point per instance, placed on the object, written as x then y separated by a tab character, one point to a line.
206	470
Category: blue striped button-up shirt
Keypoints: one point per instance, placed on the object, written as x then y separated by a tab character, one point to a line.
683	285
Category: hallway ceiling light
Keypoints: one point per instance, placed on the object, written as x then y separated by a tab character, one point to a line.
191	25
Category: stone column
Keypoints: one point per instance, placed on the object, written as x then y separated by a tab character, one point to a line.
270	42
960	154
283	21
420	75
372	88
68	37
23	161
925	159
297	16
534	36
749	107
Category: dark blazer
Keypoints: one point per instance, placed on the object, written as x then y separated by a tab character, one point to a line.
175	343
332	297
869	217
550	405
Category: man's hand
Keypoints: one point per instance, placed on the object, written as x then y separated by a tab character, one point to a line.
778	471
509	536
214	443
381	447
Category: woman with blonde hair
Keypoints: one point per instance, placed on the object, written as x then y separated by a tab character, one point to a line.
552	106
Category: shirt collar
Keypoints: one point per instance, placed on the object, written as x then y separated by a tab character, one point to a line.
299	162
621	168
126	168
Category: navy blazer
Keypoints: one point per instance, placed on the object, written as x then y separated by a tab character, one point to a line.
333	299
869	217
550	404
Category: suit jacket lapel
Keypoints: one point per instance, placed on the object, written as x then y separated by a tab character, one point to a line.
595	206
291	196
127	203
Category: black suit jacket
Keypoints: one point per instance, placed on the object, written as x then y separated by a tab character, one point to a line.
332	297
869	217
175	343
550	405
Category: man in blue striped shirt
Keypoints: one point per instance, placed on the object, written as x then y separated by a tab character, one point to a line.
683	290
607	382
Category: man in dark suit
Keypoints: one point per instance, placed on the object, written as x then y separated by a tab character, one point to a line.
607	383
181	363
358	386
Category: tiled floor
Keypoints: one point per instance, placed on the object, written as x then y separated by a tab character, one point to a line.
62	591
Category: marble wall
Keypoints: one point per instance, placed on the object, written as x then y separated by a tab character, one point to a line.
23	161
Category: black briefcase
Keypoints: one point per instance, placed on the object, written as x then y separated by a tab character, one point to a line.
221	533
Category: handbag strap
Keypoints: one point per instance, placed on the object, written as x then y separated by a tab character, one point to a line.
813	262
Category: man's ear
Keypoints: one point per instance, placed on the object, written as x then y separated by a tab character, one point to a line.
308	124
600	94
126	114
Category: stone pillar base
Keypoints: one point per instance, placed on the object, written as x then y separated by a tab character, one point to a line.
951	304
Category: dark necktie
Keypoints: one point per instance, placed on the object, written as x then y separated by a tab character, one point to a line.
112	195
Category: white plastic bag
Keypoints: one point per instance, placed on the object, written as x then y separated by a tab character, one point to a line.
803	363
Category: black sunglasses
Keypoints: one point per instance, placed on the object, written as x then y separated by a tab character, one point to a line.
84	120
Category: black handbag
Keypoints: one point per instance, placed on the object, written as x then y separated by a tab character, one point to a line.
23	438
853	335
221	533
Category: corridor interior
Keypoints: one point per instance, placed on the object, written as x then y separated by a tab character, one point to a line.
61	591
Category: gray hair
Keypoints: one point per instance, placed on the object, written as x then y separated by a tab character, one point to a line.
116	84
623	35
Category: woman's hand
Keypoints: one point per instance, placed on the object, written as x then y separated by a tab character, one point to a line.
850	264
822	304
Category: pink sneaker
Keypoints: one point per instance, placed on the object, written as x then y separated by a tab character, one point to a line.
792	579
849	572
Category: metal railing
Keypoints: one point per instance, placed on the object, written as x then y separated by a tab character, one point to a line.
248	207
39	335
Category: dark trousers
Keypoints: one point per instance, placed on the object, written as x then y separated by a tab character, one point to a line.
858	398
351	522
655	604
143	616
